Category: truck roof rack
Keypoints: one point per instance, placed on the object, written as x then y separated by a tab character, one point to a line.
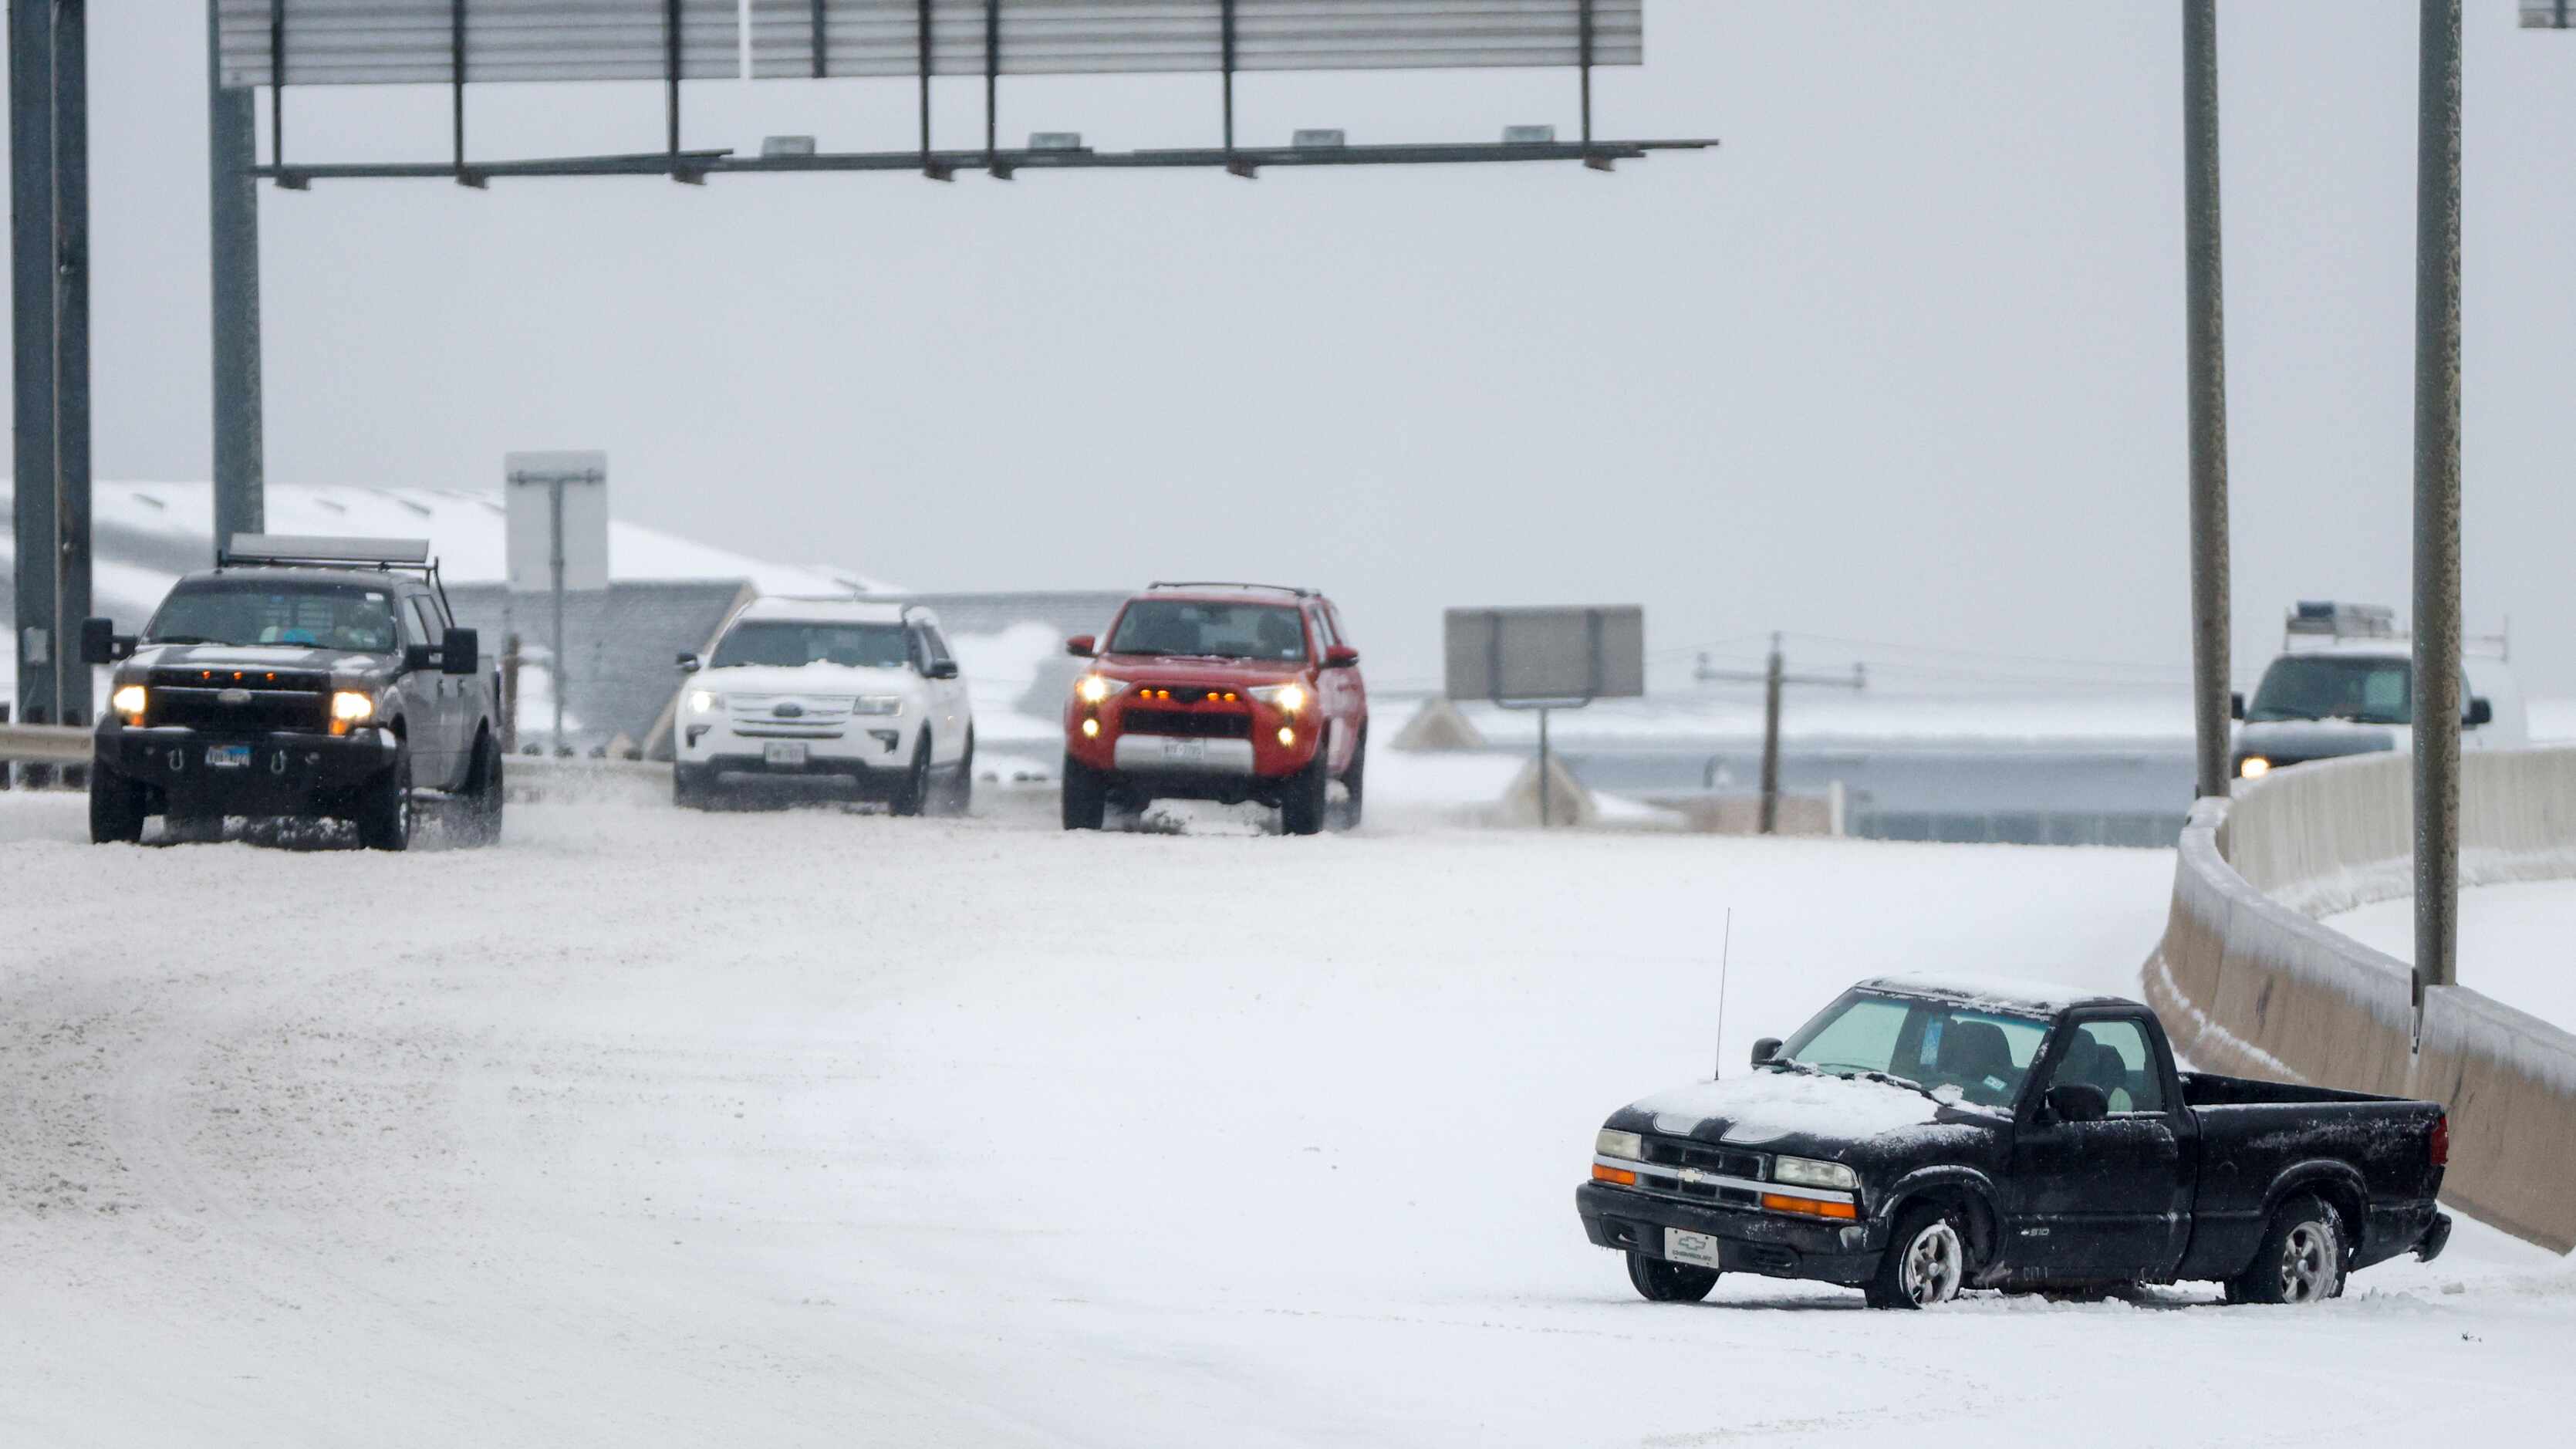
1233	584
279	550
2325	619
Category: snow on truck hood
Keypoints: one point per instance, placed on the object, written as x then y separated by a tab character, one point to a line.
1768	1106
818	678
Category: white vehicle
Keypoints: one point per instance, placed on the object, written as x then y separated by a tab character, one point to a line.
2344	684
805	689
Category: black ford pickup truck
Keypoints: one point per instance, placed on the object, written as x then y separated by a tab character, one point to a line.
302	677
1920	1137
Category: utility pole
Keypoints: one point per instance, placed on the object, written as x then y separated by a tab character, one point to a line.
1774	679
2437	506
232	149
2206	372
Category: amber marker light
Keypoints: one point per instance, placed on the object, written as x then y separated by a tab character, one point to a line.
1810	1207
1619	1175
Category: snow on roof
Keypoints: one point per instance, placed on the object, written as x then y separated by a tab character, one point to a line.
1998	992
828	611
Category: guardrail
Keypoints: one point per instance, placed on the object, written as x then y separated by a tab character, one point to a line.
2249	981
35	744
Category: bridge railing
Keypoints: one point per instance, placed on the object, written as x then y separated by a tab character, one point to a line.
2249	981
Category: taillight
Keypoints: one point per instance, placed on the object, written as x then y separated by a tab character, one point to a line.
2441	1145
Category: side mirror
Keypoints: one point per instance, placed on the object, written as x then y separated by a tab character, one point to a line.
1082	646
942	669
2480	712
2078	1102
2236	705
419	656
461	652
99	644
689	663
1765	1049
1341	656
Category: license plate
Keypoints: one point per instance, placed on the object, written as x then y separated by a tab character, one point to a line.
1686	1247
228	757
1185	752
784	752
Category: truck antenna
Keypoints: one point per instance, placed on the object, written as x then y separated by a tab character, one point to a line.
1725	948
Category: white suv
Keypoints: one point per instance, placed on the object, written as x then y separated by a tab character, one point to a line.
806	689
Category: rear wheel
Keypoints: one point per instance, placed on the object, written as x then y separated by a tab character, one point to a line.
384	805
115	807
1301	810
479	820
1658	1281
2301	1260
913	793
1086	796
1926	1263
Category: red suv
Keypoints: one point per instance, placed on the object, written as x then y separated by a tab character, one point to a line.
1227	692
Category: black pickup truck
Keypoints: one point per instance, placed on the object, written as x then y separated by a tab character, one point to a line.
302	677
1920	1137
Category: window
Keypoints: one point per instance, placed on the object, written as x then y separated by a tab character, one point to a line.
247	611
2370	691
2114	1056
789	644
1860	1038
425	617
1214	630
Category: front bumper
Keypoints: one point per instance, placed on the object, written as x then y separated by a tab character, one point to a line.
1256	756
284	773
1771	1244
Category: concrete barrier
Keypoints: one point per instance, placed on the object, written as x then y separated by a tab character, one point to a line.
2250	982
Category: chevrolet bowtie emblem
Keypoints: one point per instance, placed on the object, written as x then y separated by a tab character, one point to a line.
233	696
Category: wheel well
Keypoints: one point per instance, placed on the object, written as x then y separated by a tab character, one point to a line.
2339	1196
1985	1238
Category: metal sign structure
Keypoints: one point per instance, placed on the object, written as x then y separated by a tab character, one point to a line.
1545	659
557	541
284	44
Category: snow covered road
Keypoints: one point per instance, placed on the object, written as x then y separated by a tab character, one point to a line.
817	1128
2514	941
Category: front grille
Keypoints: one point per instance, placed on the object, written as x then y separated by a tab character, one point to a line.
1188	693
265	709
292	681
1193	724
802	709
1682	1152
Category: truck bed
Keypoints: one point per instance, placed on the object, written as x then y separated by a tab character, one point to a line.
2367	1156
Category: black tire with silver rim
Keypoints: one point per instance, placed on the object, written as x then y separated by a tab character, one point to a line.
1926	1263
1659	1281
2301	1260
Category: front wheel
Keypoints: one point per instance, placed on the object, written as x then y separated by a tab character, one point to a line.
115	808
1301	810
2301	1260
1086	796
1926	1263
913	793
1658	1281
384	805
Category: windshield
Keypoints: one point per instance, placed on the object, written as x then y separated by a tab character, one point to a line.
1934	1044
2371	691
1230	631
788	643
327	616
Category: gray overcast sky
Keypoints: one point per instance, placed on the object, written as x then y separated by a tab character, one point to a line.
1902	362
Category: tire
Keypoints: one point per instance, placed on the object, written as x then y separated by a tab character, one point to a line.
384	805
1926	1263
1658	1281
1355	780
115	808
1086	796
912	794
959	797
2301	1260
479	812
1301	810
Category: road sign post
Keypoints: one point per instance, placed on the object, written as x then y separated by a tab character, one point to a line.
1546	659
558	541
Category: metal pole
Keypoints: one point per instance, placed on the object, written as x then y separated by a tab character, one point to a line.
2437	505
671	77
71	472
555	559
232	148
1773	677
31	256
1546	810
2206	374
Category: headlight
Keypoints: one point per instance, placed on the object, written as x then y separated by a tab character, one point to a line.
2255	767
1626	1145
1807	1172
128	701
1093	688
350	707
704	701
877	704
1286	698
